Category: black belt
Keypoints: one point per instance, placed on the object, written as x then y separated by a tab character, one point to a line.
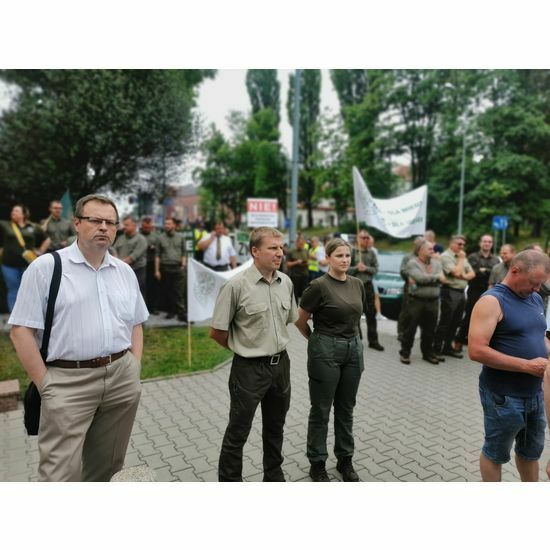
455	289
423	299
88	363
217	267
273	360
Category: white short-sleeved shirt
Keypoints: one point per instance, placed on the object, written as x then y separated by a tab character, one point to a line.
95	311
227	250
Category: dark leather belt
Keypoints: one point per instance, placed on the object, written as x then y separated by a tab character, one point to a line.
271	359
88	363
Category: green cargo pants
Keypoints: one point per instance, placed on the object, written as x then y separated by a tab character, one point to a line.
334	367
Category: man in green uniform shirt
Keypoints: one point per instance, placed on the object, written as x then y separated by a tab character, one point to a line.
57	229
170	264
250	318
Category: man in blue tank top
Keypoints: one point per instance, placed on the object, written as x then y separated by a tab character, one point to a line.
507	335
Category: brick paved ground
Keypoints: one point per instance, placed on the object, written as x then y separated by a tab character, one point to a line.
412	423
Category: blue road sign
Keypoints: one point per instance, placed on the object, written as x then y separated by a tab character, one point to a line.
500	223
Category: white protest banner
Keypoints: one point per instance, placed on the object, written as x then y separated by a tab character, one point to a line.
262	212
203	285
400	217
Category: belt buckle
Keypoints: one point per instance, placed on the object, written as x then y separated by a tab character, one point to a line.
274	361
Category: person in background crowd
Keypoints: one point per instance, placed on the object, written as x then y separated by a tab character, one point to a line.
458	273
257	298
315	254
405	276
322	256
151	283
507	336
17	237
296	264
364	266
499	271
59	231
131	248
170	265
218	251
90	382
199	233
438	249
336	302
425	279
482	263
377	304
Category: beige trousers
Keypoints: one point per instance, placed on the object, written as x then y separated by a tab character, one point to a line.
86	420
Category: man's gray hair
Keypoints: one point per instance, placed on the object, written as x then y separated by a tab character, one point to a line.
528	260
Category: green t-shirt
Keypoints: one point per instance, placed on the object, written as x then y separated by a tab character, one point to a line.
336	305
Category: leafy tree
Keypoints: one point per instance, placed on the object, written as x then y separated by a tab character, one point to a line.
310	101
84	130
264	90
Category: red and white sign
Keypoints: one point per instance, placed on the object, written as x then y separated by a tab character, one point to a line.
261	212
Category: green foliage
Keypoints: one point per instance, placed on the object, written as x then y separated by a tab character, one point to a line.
164	354
83	130
251	165
264	90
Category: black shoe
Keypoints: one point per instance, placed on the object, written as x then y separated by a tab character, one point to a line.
431	359
345	467
169	315
405	359
452	353
318	472
182	318
376	346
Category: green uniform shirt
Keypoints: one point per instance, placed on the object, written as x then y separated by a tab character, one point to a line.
336	305
426	278
448	263
151	239
295	254
256	313
498	273
368	257
59	231
134	246
170	248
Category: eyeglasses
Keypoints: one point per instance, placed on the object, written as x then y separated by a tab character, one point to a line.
461	244
98	221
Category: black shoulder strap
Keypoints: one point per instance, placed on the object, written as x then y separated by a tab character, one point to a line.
54	288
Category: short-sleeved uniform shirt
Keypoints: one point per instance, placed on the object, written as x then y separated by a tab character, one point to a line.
171	248
336	305
134	246
448	262
256	313
59	231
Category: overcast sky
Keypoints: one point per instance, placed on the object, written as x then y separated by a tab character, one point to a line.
227	92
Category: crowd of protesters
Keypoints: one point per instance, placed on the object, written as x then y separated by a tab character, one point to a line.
330	282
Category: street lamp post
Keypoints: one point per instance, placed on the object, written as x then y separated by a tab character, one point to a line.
462	174
295	159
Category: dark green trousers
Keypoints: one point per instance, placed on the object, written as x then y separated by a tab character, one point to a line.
334	366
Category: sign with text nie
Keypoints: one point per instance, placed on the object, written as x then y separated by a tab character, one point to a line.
262	212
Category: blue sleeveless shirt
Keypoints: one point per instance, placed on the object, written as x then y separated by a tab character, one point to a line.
520	333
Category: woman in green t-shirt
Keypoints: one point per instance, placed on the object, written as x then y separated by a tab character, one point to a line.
13	262
334	359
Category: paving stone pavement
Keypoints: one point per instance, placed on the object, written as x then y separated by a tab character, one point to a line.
415	422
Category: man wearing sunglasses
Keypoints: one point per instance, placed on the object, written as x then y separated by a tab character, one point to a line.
458	272
90	381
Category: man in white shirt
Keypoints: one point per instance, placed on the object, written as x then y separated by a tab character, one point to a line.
218	250
90	381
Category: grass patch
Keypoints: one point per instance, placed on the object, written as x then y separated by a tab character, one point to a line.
164	354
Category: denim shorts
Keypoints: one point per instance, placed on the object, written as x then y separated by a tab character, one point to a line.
508	419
